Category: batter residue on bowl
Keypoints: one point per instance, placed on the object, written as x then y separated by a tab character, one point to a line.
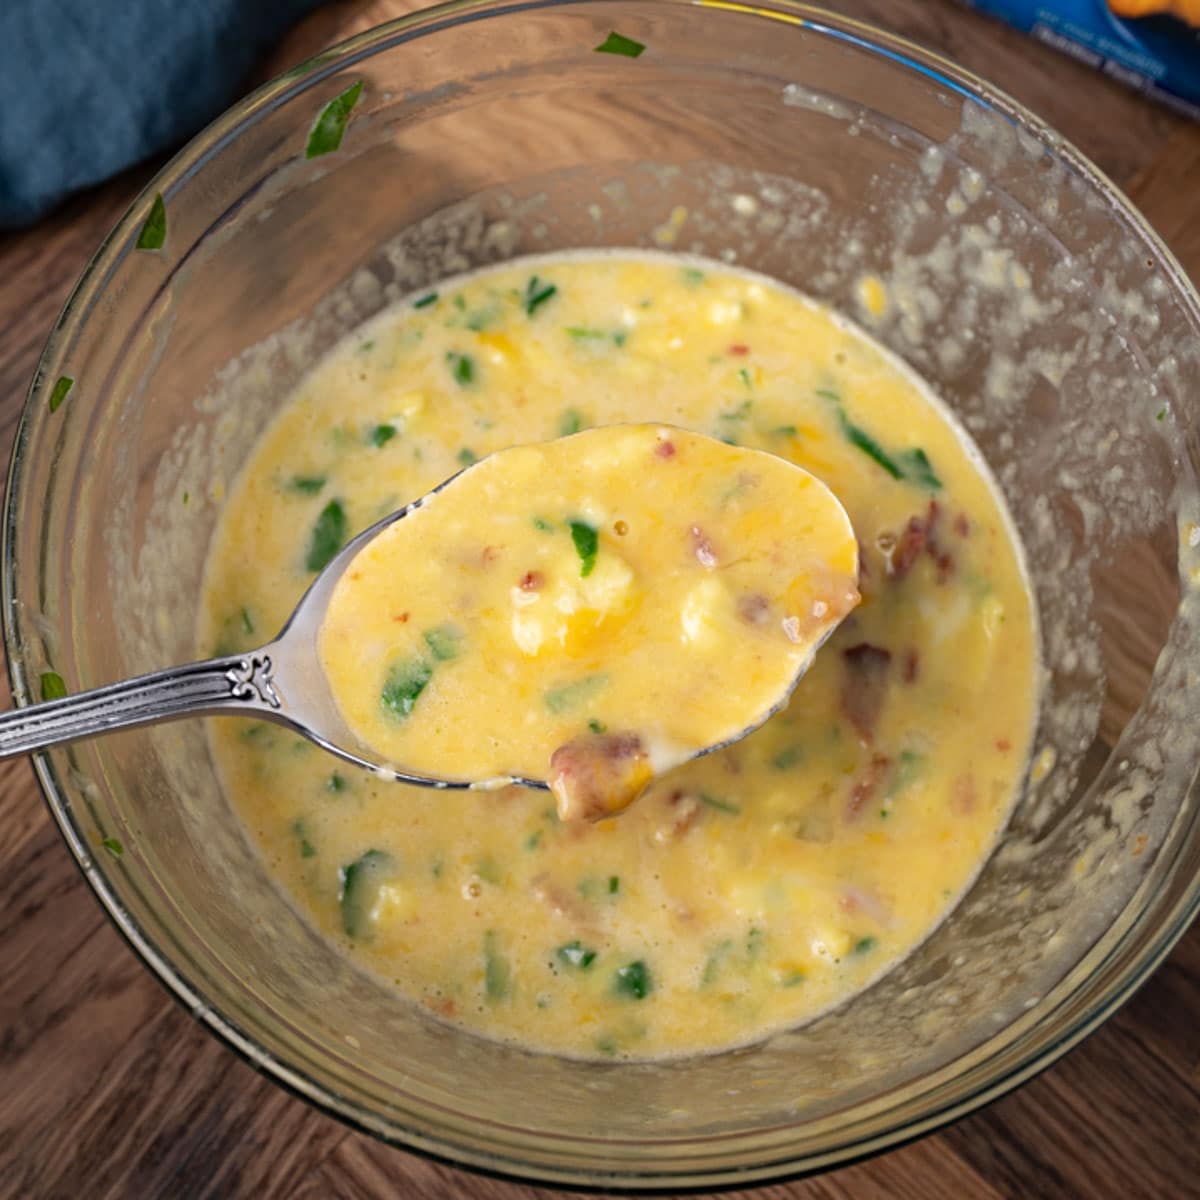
746	891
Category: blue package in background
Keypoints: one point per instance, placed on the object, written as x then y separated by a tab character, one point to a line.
1152	45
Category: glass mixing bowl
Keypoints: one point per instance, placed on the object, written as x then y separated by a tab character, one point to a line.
778	137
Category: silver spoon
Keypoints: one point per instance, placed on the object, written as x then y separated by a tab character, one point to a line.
281	681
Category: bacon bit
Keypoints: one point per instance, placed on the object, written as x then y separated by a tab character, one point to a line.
703	547
490	554
963	796
444	1006
912	542
683	810
402	618
864	687
1003	745
855	900
962	526
912	666
598	774
665	450
532	581
739	351
1139	845
919	537
752	607
559	900
867	785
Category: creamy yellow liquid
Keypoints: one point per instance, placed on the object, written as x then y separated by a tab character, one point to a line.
591	611
745	891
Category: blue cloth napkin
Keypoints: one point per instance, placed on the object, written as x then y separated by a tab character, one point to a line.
88	87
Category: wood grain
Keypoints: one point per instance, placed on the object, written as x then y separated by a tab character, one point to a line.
108	1089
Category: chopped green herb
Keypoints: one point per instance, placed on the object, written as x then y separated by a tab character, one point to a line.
571	695
443	641
330	126
59	393
542	525
909	765
829	394
720	805
426	301
336	782
497	972
918	468
1161	415
482	318
537	292
307	849
185	497
714	963
597	726
575	954
154	231
614	884
863	945
467	457
737	414
534	840
607	1045
247	623
306	485
327	536
405	682
382	434
792	979
587	545
488	870
364	347
570	422
693	276
756	940
53	687
868	445
582	333
785	431
744	376
788	758
113	846
462	367
358	884
634	980
618	43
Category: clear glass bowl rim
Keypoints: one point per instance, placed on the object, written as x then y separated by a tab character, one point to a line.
88	290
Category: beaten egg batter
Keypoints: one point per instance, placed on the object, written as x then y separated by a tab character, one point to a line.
745	891
516	624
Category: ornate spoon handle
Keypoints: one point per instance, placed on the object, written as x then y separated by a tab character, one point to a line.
235	683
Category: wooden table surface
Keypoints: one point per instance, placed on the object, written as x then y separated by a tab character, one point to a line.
108	1088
